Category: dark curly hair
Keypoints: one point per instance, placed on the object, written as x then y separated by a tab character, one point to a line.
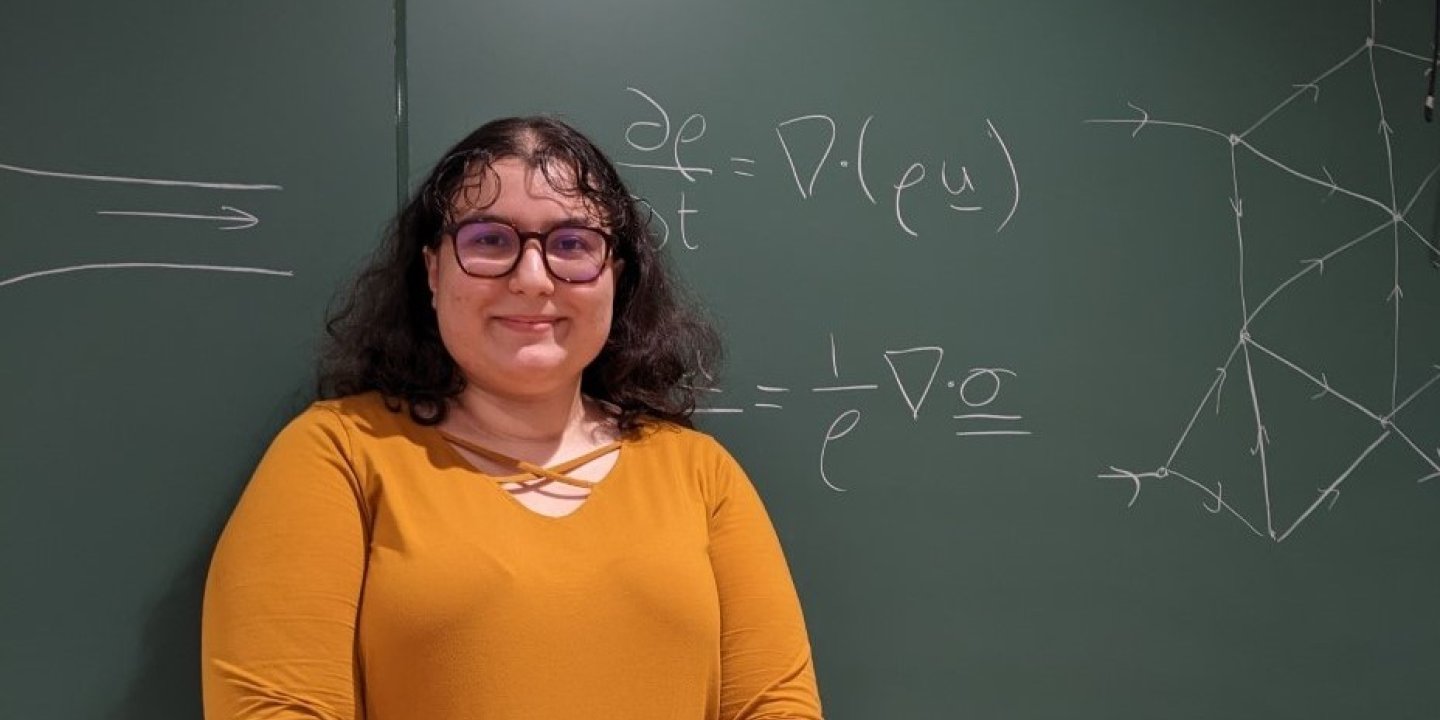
384	335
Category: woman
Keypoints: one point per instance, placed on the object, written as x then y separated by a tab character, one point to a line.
499	509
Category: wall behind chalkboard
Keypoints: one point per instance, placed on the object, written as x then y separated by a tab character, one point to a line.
1085	355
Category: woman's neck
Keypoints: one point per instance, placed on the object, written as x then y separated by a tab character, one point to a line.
530	422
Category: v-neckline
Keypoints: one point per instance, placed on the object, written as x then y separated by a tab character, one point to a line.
439	438
529	470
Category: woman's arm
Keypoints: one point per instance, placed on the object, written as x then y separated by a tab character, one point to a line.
283	592
766	669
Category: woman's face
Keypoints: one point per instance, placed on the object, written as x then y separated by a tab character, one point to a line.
524	334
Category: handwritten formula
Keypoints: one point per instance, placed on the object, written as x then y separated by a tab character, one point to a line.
660	145
976	394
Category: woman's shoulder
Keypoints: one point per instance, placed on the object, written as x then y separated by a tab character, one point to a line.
688	458
681	443
665	433
365	404
363	414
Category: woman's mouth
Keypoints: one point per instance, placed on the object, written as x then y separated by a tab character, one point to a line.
528	323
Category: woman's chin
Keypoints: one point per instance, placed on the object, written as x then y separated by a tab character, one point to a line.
529	370
535	371
544	359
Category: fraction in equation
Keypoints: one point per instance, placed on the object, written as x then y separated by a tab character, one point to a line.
914	371
662	143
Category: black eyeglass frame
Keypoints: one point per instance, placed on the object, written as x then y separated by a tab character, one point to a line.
539	238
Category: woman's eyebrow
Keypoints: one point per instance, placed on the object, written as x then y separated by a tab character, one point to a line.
573	221
567	221
470	216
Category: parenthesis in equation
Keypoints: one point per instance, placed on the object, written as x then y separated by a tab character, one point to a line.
860	159
1014	175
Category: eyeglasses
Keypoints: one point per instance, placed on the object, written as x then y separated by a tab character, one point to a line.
492	249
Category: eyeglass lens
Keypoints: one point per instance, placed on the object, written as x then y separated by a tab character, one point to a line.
490	249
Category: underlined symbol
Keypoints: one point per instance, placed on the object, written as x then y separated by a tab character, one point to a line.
989	417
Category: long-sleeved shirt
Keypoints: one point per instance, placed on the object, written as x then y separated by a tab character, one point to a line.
369	571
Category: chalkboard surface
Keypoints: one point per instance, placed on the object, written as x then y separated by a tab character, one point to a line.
138	395
1085	354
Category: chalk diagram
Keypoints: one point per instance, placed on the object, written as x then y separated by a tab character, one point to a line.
232	218
1249	349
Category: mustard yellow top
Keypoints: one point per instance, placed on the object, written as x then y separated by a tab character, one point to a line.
369	571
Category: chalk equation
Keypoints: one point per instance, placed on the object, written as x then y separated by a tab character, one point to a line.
661	144
1393	220
914	372
229	218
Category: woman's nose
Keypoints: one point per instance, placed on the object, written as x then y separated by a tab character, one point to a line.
530	275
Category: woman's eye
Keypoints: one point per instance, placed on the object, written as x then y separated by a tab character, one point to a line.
575	242
485	237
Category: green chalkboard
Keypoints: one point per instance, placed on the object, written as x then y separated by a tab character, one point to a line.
1008	289
138	396
1024	218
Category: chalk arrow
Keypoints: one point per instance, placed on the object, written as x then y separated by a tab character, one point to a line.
1334	494
1219	500
1385	128
242	220
1126	475
1144	118
1314	262
1309	86
1262	437
1238	206
1395	294
1331	178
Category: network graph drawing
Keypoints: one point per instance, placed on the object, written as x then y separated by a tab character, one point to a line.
1393	223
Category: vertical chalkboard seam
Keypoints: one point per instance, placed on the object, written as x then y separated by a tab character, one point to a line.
402	108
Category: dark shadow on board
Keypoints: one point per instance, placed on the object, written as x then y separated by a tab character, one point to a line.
167	684
167	681
1435	231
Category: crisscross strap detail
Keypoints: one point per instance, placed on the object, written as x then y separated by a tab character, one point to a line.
529	469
